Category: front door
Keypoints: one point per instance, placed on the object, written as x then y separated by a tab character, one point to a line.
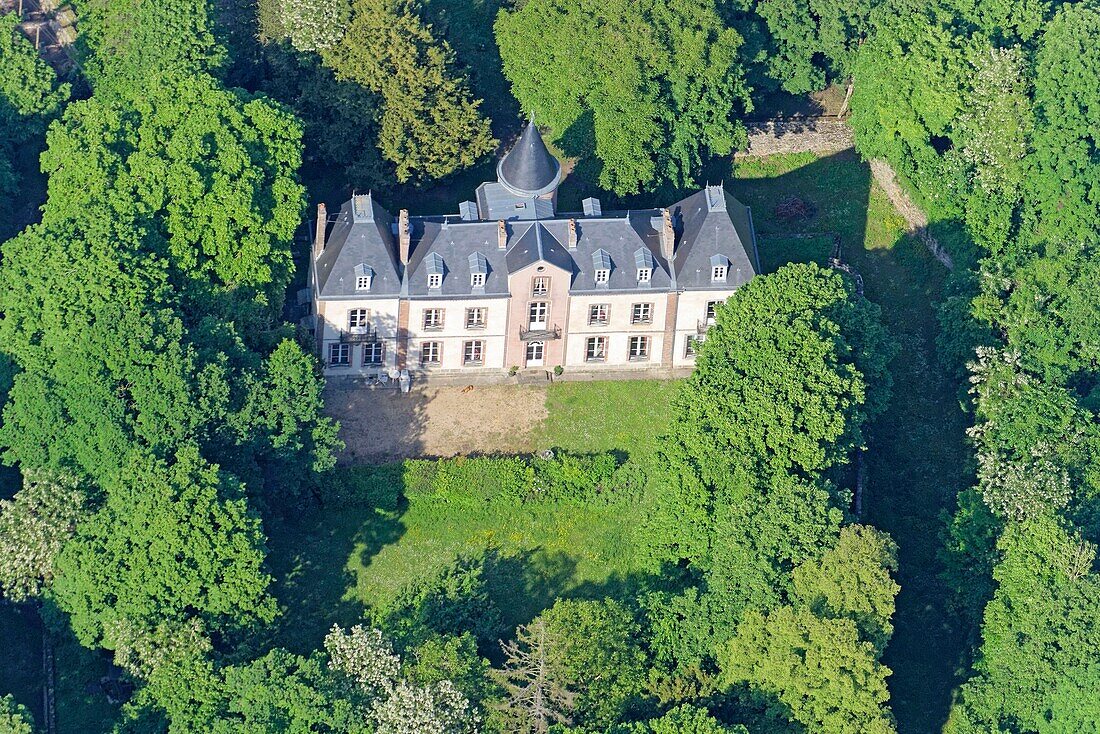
536	315
534	354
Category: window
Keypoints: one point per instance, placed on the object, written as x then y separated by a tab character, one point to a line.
475	318
602	276
433	318
435	280
639	348
473	352
339	355
718	273
712	309
540	286
477	280
431	353
535	353
374	353
598	314
641	313
595	349
690	347
363	282
358	319
536	314
645	275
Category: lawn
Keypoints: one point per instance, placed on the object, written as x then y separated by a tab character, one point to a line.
331	565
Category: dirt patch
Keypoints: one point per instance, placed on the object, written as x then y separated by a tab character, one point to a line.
385	425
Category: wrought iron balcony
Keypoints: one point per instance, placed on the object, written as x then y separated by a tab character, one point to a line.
528	334
358	335
702	326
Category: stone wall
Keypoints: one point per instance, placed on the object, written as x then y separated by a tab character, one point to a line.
797	135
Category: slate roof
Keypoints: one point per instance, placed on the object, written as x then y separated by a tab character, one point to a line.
528	169
362	237
713	223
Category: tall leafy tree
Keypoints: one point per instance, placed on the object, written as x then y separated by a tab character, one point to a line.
651	100
430	125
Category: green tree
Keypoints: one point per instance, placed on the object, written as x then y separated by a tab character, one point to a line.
853	580
685	719
595	652
1036	668
794	366
817	669
14	717
1067	134
652	100
173	542
430	125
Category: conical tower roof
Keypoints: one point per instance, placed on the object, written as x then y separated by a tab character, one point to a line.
528	169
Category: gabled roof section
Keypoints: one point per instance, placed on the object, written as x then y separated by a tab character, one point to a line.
528	169
362	234
711	223
433	263
536	243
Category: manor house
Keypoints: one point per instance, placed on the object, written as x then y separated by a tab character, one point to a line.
511	281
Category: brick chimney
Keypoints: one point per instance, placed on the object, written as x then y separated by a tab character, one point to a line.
404	236
572	241
668	235
502	235
319	232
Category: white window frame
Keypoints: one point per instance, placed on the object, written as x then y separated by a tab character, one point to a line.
371	348
718	273
602	276
431	353
339	355
363	282
595	349
477	280
645	275
476	317
432	324
358	318
540	285
435	281
641	313
638	348
711	313
599	314
473	353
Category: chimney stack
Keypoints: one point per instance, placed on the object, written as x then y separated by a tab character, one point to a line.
319	232
502	235
572	243
404	236
668	235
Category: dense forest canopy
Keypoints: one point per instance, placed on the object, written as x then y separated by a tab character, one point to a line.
163	417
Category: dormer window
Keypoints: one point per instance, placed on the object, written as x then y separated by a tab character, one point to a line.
479	269
719	268
644	262
364	277
601	266
434	265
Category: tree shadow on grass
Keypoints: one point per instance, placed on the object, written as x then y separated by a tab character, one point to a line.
314	586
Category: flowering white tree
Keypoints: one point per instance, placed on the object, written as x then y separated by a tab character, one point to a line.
368	659
14	717
313	25
33	527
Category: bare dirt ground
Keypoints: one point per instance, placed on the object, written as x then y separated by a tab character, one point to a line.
384	424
